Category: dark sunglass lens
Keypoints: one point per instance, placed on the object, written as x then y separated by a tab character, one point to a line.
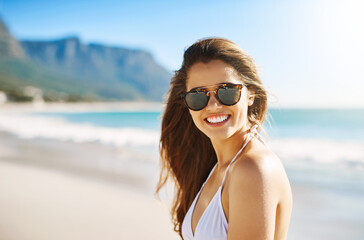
196	100
229	95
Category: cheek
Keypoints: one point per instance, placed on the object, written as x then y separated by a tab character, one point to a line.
240	111
196	118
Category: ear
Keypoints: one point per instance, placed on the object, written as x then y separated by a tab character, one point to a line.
251	96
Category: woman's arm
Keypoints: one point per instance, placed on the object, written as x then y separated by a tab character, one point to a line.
253	199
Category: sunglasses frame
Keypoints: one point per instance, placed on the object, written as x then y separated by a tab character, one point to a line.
215	89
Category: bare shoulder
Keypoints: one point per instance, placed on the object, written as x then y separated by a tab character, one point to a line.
257	187
258	164
260	171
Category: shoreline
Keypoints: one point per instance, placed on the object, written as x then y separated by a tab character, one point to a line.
90	160
66	190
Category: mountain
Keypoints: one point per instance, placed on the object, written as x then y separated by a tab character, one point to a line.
116	70
80	71
9	47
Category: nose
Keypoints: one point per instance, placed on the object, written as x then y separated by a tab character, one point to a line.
213	103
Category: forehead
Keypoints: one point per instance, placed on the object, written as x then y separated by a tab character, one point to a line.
211	73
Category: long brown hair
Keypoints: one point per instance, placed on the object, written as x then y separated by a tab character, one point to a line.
187	154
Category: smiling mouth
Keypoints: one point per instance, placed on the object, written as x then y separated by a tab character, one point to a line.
217	120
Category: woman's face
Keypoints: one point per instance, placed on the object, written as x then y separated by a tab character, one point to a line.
216	120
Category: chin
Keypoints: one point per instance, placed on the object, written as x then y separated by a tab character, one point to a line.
222	134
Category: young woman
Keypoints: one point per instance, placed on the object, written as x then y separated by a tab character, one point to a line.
229	184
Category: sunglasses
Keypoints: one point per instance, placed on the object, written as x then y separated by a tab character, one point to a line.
227	94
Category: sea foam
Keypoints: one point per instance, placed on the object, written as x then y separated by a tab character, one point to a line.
291	150
32	126
323	150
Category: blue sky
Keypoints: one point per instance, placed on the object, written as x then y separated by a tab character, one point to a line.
310	53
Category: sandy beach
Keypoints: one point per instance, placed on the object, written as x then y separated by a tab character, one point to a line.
41	204
39	201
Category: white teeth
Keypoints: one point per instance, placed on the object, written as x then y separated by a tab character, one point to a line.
217	119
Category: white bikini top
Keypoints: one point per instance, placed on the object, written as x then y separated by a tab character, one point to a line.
212	224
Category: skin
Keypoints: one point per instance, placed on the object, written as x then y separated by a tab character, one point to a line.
256	195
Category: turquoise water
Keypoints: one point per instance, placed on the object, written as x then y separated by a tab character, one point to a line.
343	124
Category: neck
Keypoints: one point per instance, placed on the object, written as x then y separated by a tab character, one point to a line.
226	149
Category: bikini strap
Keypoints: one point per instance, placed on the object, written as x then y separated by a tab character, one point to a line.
209	176
252	133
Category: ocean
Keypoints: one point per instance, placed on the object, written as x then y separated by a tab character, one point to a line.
319	141
321	145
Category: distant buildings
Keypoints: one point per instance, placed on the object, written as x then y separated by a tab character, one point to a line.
3	98
35	93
